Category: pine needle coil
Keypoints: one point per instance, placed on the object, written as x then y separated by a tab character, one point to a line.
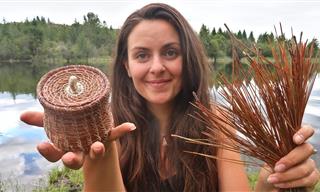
76	106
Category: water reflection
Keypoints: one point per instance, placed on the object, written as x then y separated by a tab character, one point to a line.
18	79
312	115
19	159
22	78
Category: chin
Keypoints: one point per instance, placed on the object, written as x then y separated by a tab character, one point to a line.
160	100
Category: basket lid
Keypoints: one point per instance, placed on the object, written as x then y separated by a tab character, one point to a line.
72	88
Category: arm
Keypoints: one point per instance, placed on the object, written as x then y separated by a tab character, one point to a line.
101	169
103	174
232	176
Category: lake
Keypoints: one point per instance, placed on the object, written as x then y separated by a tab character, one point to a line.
19	160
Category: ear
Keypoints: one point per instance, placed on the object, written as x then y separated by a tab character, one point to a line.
127	68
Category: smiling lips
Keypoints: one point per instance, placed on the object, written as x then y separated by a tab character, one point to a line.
158	83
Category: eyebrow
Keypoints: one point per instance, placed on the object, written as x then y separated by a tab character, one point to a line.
138	48
170	44
165	46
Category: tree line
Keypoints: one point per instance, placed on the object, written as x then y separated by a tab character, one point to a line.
42	41
218	43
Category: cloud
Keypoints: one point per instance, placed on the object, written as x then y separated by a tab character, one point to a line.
11	110
21	162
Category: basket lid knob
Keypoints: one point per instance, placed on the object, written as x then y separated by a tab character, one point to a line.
74	87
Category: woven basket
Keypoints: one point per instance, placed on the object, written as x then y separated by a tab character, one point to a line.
76	106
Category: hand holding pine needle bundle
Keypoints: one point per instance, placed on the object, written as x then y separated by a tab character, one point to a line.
267	110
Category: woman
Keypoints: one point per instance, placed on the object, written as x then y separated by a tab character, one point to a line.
159	62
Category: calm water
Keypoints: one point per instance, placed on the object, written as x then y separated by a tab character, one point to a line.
19	160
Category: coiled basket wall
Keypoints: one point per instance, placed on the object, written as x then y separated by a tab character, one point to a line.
76	106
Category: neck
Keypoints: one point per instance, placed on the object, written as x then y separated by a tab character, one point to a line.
162	113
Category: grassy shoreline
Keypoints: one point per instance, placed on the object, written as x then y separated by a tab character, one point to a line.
63	179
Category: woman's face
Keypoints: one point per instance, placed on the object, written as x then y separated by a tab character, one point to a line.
155	61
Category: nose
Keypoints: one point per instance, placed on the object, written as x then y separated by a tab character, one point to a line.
157	65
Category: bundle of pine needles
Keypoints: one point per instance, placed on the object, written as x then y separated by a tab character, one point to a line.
264	104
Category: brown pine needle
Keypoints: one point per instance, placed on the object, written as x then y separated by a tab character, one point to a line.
264	111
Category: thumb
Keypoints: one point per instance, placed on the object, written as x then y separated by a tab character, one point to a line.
32	118
121	130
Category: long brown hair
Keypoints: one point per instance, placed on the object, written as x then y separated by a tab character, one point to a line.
140	150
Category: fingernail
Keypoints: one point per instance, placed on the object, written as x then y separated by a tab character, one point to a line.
272	179
97	149
280	168
42	149
298	138
132	126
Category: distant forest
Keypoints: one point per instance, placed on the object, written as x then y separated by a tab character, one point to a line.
41	41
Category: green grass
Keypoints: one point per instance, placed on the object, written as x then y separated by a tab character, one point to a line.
317	189
253	178
62	179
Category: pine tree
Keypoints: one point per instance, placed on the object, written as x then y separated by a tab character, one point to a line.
251	37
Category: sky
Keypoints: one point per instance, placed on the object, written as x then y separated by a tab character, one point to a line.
258	16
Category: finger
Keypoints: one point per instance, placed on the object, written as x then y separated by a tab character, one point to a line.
32	118
298	172
308	182
97	150
120	130
296	156
304	133
73	160
265	171
49	151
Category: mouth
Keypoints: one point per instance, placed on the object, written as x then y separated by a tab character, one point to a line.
158	82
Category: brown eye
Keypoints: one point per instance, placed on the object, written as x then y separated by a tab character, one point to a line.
142	57
171	53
